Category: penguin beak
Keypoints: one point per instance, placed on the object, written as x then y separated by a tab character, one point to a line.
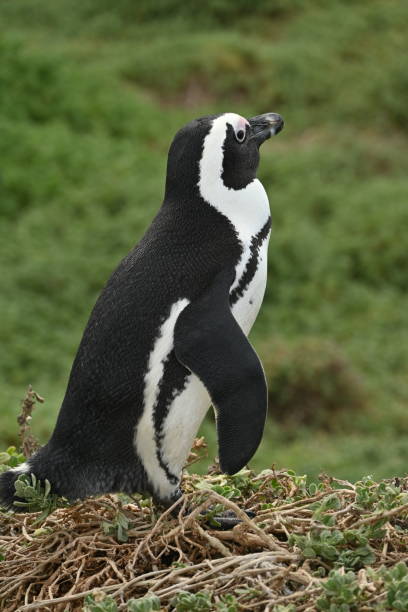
265	126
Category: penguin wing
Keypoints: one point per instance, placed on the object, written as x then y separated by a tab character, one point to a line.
209	342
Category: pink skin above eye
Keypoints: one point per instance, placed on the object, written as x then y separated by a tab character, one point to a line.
242	124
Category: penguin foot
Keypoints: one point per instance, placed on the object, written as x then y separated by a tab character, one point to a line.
167	502
225	520
216	520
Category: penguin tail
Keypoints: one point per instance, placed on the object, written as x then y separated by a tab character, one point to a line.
7	489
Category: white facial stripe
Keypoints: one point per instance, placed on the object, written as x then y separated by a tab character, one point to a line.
248	208
145	442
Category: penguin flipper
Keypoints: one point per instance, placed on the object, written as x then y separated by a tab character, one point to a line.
209	342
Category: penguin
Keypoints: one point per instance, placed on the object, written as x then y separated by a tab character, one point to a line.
167	336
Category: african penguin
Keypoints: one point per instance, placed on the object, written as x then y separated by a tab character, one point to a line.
167	336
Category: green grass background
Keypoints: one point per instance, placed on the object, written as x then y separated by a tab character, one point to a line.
91	94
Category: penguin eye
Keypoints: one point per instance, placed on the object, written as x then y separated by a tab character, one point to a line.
240	135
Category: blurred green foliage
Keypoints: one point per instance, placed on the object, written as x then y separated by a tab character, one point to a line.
91	95
310	382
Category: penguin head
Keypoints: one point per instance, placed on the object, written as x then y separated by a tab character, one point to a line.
218	147
242	139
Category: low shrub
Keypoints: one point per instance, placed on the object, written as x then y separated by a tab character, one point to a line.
311	382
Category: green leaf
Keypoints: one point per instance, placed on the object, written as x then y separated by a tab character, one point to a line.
313	489
47	488
192	602
399	571
38	497
329	552
4	457
13	461
145	604
99	603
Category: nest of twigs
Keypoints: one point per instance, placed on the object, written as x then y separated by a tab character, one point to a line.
115	549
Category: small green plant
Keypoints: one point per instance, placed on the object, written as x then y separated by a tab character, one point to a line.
244	482
226	603
396	582
226	491
341	593
37	496
99	602
248	593
314	488
10	458
118	527
178	564
41	531
201	602
318	543
366	493
192	602
150	603
390	496
349	549
222	487
356	557
378	497
321	508
299	481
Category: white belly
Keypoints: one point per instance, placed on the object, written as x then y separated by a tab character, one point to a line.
246	309
189	408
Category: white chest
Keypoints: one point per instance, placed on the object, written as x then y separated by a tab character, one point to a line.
248	212
246	308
